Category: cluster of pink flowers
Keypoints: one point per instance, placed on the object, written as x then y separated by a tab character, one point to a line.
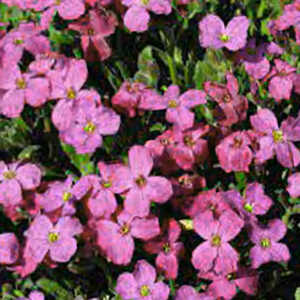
122	201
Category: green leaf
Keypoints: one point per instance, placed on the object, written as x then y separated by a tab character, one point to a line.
241	180
148	68
28	152
81	161
297	294
158	127
53	288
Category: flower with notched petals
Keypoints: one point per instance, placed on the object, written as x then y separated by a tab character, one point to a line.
266	247
9	248
58	240
141	284
214	34
294	185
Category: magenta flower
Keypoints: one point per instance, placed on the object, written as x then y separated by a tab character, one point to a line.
190	148
59	195
207	201
90	121
213	32
133	96
256	64
9	248
178	106
66	9
215	253
33	296
116	240
141	284
294	185
26	37
281	84
16	177
276	140
66	84
225	287
94	28
101	191
20	89
143	189
232	107
254	202
168	249
266	247
43	236
137	16
186	292
234	153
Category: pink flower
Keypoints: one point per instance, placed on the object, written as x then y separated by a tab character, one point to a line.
186	292
266	247
207	201
234	153
89	122
20	89
256	65
190	149
9	248
66	9
94	28
294	185
232	107
168	249
133	96
214	34
225	287
43	236
26	37
254	202
59	195
143	189
16	177
178	106
281	84
276	140
137	16
116	240
33	296
216	253
141	284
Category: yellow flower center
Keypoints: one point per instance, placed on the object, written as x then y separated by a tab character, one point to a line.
71	94
90	127
57	2
9	175
145	291
188	141
166	247
237	142
21	83
216	240
265	243
125	229
248	207
224	38
141	181
53	237
172	104
67	196
106	184
226	98
145	2
18	42
91	31
165	142
277	136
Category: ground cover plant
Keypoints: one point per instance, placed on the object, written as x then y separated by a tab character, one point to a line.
149	149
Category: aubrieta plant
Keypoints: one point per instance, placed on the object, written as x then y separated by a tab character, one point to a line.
149	149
